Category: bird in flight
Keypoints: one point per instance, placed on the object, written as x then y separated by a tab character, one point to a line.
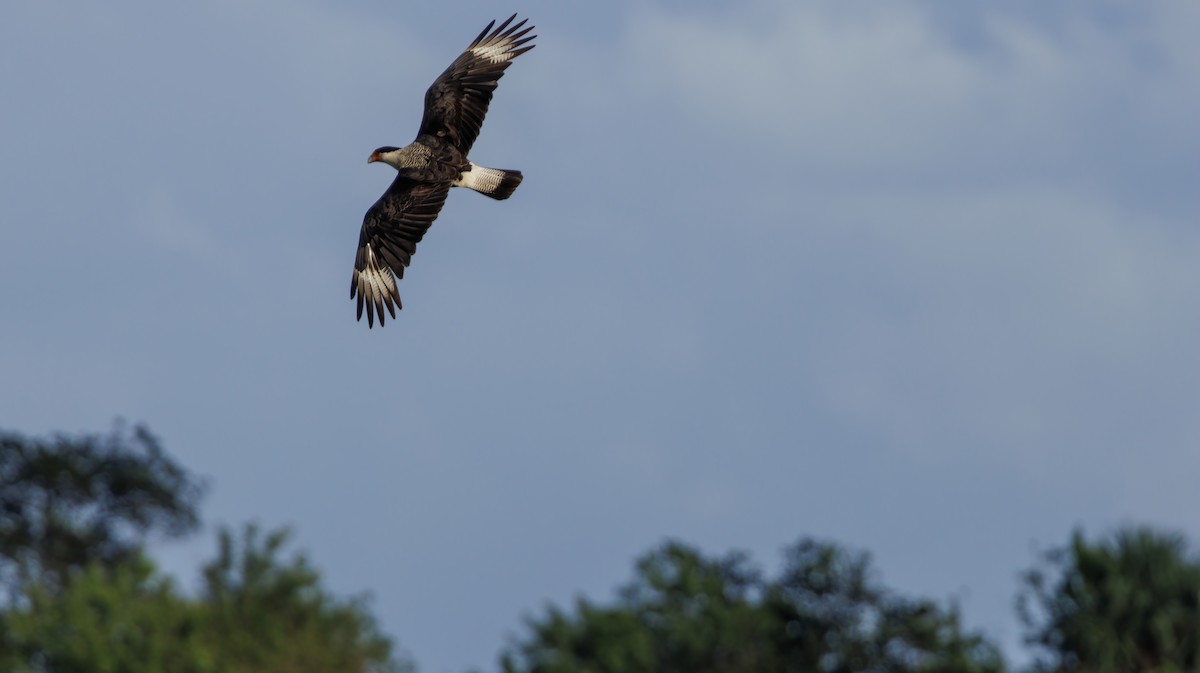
428	167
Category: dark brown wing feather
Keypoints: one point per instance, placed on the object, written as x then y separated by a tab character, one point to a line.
457	102
390	232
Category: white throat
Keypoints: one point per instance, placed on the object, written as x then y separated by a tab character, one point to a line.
415	155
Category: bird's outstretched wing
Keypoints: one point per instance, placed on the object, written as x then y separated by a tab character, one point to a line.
390	232
457	101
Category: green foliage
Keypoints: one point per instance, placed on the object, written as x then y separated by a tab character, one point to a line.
121	619
1129	603
837	618
66	503
81	597
266	614
256	614
78	595
687	613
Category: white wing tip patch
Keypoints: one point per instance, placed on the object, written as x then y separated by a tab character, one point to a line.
496	53
376	280
375	286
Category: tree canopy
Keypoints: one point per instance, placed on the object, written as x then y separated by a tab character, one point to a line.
256	613
1130	602
686	612
79	593
67	502
263	613
84	597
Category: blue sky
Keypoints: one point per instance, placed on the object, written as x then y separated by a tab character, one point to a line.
918	277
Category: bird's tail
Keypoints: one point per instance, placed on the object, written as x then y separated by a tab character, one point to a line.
494	182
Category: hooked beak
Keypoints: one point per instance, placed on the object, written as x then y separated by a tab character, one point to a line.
373	158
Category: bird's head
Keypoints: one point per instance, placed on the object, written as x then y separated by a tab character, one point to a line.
382	154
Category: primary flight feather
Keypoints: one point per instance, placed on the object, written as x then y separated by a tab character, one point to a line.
428	167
